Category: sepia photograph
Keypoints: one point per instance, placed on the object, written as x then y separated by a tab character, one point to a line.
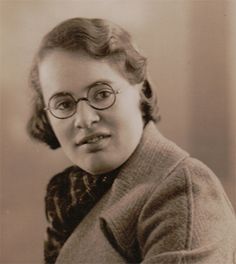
118	131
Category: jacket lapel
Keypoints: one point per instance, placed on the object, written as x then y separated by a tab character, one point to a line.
153	160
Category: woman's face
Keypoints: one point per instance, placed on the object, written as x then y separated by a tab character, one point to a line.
98	141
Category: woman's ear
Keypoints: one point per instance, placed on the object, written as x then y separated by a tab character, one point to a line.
149	104
146	89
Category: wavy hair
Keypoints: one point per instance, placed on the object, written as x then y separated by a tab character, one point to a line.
99	39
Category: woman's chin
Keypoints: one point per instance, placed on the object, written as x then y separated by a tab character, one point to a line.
99	166
96	170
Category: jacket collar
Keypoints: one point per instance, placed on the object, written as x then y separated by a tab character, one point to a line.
152	161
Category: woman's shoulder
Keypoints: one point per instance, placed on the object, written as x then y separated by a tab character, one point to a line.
199	180
191	208
197	186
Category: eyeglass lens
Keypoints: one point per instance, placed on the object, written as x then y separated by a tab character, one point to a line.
64	105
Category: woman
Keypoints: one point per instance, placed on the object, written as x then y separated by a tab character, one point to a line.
132	196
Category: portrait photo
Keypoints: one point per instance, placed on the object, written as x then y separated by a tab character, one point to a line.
118	131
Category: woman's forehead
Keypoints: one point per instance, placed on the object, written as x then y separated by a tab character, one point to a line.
72	71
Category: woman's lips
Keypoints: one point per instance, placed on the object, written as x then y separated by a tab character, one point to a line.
92	139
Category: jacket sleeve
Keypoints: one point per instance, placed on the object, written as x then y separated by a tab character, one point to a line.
188	220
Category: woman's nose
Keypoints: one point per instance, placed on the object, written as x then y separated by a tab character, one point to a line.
85	115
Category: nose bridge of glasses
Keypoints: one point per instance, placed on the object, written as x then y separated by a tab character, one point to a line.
79	100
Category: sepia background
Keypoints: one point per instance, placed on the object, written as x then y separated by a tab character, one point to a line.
190	45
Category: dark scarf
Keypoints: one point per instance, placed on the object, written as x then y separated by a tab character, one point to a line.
70	196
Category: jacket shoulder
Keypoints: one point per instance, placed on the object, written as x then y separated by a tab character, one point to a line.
188	210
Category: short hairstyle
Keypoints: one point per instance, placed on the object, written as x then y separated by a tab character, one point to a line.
99	39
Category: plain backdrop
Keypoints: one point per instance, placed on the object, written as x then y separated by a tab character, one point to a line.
190	47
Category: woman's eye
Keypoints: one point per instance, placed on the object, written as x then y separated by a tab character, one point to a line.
65	105
101	95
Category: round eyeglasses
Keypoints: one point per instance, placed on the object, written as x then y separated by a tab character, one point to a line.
63	105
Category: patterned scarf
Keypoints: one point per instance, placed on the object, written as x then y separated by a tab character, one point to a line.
70	196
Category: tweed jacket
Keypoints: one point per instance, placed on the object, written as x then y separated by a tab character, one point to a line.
164	207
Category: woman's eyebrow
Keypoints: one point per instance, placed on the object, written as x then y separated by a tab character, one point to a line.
87	87
98	82
59	94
